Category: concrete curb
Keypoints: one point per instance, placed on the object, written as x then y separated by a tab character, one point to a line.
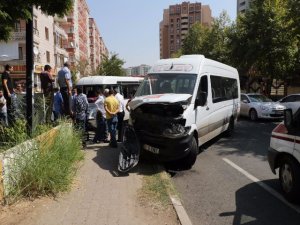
180	211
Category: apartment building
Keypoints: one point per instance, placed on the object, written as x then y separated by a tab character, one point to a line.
95	46
140	70
177	20
242	6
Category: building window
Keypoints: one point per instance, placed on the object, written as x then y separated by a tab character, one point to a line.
35	24
20	53
18	26
191	19
48	56
55	58
47	33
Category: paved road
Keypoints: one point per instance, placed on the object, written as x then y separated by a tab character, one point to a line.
220	188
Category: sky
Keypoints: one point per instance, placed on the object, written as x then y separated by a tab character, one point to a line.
130	28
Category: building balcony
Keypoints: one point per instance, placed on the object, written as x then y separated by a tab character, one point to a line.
184	26
60	19
184	21
184	32
61	31
18	35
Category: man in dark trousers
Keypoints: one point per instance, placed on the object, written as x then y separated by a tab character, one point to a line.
80	108
47	88
65	83
9	95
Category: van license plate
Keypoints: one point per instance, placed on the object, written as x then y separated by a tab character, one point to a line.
151	149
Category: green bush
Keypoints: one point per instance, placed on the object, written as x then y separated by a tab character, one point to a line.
52	167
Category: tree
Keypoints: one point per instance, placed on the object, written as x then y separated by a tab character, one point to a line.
13	10
211	42
261	41
111	66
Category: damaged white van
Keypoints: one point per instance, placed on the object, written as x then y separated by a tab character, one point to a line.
181	104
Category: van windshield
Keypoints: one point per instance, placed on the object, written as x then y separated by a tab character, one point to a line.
167	83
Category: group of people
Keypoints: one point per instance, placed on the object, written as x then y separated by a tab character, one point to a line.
109	116
67	101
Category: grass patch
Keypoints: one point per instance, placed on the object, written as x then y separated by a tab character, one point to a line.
156	189
12	136
52	166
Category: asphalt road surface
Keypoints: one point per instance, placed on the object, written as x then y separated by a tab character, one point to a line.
231	182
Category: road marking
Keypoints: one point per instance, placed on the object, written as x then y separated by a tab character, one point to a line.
263	185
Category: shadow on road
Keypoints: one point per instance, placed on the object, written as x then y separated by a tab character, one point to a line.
254	207
248	138
108	158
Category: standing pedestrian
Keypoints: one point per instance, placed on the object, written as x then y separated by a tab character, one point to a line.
80	108
47	88
111	106
65	83
9	95
57	104
3	110
100	134
121	112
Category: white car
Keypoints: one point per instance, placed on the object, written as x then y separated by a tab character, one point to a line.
257	106
284	153
291	102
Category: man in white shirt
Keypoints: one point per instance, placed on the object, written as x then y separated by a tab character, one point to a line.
101	131
121	113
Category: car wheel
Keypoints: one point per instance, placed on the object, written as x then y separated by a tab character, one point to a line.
230	130
253	115
289	177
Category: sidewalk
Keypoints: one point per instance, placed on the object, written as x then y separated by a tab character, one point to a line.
99	196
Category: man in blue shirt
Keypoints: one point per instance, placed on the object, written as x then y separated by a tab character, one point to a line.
64	79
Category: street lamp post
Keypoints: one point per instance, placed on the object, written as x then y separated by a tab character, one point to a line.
29	73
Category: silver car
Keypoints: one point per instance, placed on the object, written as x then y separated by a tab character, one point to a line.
291	102
257	106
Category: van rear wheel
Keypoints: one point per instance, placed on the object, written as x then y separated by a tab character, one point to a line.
230	130
289	177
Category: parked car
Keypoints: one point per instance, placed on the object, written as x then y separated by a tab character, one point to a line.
291	102
257	106
284	153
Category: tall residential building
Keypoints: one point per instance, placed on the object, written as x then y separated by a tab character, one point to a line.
242	5
95	45
177	20
140	70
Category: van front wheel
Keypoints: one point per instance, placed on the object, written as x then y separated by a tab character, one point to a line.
189	160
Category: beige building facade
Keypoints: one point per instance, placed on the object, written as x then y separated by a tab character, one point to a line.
56	40
177	20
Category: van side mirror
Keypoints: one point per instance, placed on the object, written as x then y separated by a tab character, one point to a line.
245	101
201	99
288	120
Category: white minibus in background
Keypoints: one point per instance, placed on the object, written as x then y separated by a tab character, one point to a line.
91	84
181	104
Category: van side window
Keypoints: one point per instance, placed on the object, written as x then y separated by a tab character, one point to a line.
223	88
203	86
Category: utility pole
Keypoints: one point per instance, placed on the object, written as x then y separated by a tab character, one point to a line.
29	73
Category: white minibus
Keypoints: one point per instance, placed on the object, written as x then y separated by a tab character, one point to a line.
181	104
91	84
